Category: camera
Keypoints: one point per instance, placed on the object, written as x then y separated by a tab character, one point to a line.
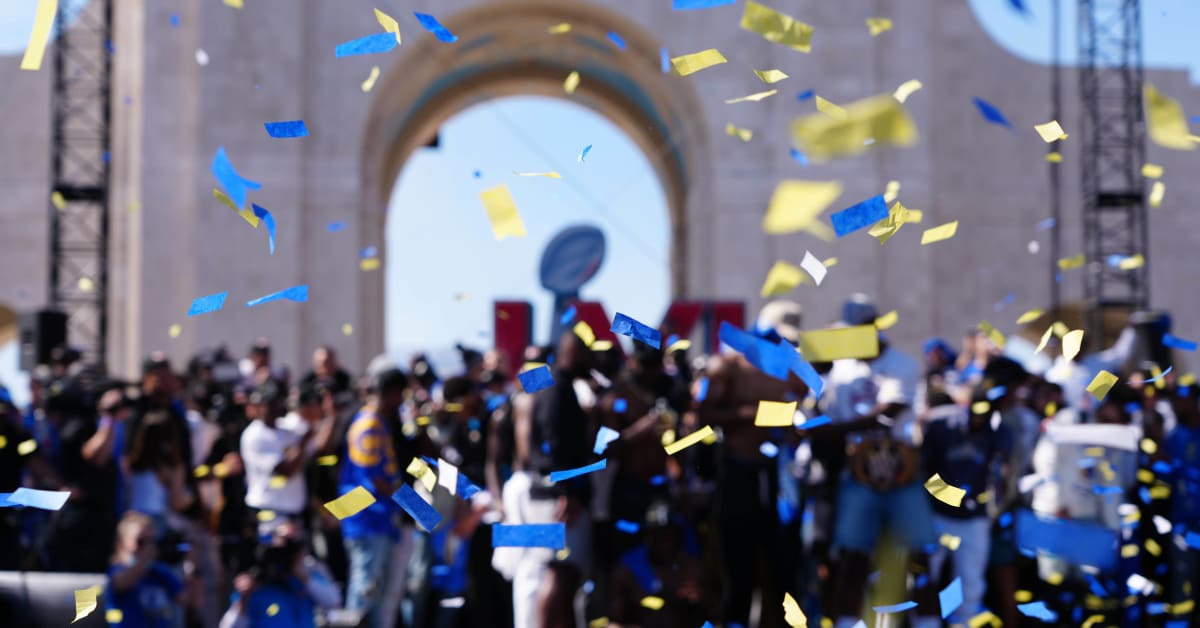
173	548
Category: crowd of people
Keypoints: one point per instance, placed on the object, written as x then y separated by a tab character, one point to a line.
202	493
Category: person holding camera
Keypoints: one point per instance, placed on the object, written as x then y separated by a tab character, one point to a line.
286	587
274	459
143	591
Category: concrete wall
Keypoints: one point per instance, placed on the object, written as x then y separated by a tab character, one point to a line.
274	60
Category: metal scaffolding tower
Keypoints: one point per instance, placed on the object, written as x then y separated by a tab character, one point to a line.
1113	151
80	172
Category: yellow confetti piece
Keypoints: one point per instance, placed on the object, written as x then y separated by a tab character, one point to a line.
1129	551
775	414
887	321
571	83
1054	157
56	199
35	50
1149	446
1187	379
1101	384
113	616
602	345
950	542
599	622
502	212
830	109
939	233
1022	596
890	191
906	89
684	65
174	330
792	613
1152	171
85	601
347	329
1092	620
86	284
246	214
237	4
830	262
1054	579
266	515
1153	547
984	618
351	503
1165	122
201	471
272	610
1132	262
277	481
980	407
1160	491
327	461
742	134
993	334
652	602
689	440
668	437
1145	476
1060	329
796	204
559	29
1183	608
27	447
820	230
1029	316
1072	342
220	470
371	78
389	24
369	264
752	97
585	333
879	118
1050	131
943	492
1073	262
1045	339
1157	191
770	76
878	25
781	279
549	175
777	27
826	345
682	344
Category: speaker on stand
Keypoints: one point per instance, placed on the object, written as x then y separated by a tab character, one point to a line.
38	334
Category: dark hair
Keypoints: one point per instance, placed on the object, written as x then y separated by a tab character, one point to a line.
310	394
148	449
456	388
391	380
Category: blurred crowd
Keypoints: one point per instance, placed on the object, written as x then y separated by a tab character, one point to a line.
200	490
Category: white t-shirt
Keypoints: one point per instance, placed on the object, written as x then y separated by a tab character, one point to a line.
262	449
854	387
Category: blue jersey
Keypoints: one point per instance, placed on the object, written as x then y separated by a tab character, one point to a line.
284	605
150	603
1183	445
368	456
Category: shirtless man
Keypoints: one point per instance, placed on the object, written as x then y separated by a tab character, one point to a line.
748	481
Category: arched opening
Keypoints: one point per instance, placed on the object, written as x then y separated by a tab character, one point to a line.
509	49
445	268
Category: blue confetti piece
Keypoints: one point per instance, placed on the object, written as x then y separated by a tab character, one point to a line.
817	421
895	608
1003	303
368	252
616	40
551	535
1192	539
566	474
996	393
689	5
620	405
627	326
664	60
1194	119
425	515
672	339
44	500
1094	584
299	294
1079	542
269	221
628	527
805	95
1019	6
206	304
1161	467
951	597
702	389
1046	224
1160	375
658	480
992	114
465	488
174	20
4	503
799	157
1176	342
567	316
769	449
287	128
236	186
605	436
586	149
1038	610
536	379
335	227
1005	519
859	216
477	174
431	24
369	45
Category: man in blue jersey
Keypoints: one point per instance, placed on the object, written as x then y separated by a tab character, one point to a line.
369	460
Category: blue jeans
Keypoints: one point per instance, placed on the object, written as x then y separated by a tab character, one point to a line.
861	513
370	559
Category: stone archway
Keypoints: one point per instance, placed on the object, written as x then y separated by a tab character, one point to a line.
506	49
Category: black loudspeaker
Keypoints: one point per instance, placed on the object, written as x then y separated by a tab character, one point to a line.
1149	328
40	333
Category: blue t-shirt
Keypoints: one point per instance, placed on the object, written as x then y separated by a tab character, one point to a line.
293	606
149	604
966	460
1183	445
369	455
